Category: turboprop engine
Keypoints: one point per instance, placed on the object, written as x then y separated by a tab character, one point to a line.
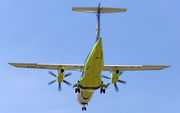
60	77
114	76
115	73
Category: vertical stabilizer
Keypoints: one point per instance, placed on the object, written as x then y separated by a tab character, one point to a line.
98	10
98	23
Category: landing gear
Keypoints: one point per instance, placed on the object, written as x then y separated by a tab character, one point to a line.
102	90
77	90
103	86
83	108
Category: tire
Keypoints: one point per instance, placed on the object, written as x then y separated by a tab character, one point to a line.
104	91
77	90
83	108
100	90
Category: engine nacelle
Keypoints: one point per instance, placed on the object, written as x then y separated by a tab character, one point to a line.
114	75
60	74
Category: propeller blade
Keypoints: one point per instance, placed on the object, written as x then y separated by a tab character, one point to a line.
68	74
59	86
124	82
120	73
51	82
52	73
108	84
105	77
67	82
116	87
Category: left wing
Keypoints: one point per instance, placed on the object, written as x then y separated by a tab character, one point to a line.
77	67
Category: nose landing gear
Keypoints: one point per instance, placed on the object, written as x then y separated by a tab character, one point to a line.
84	108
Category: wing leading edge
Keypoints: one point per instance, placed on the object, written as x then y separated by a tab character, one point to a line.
79	67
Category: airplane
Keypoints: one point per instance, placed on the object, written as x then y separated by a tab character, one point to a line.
91	78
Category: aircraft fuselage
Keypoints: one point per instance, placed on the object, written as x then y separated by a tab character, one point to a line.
91	74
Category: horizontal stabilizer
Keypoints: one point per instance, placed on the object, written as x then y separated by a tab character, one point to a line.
95	9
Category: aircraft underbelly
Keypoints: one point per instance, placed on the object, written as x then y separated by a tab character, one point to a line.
92	76
93	68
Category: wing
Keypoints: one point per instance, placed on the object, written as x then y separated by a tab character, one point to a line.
76	67
133	67
79	67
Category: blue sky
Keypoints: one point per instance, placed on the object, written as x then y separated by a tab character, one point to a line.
46	31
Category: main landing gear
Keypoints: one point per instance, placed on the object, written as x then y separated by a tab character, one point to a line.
103	86
77	90
102	90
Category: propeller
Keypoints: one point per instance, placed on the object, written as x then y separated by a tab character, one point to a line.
68	74
121	81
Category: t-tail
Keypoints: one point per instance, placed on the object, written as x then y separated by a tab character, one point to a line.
98	10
